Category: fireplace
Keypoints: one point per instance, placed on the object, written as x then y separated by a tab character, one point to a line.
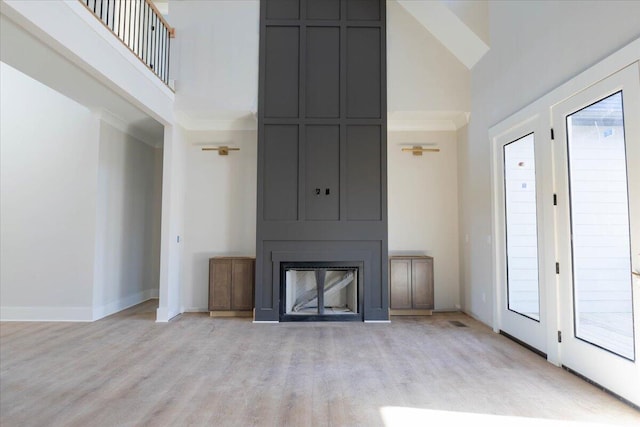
312	291
322	162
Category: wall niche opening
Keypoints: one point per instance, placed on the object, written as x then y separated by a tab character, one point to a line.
321	291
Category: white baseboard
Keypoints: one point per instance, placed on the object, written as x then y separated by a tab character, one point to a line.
46	314
112	307
377	321
73	314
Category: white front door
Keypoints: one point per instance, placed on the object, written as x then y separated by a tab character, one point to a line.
597	170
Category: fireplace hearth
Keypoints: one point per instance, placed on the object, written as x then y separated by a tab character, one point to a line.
320	291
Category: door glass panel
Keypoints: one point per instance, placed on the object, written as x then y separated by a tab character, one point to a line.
521	227
599	206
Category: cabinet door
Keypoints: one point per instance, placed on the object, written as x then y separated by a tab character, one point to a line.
422	280
400	284
242	280
220	284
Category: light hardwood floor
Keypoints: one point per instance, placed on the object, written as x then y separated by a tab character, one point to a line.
197	370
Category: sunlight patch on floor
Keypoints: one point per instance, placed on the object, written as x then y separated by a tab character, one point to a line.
394	416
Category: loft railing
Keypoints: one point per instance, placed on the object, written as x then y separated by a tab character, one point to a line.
141	27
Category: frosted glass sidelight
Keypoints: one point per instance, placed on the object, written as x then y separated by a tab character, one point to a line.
521	227
599	212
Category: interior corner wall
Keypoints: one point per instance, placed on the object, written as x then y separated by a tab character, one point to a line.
172	223
463	238
423	208
535	47
49	161
156	222
127	247
220	208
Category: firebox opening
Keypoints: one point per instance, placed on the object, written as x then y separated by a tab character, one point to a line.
320	291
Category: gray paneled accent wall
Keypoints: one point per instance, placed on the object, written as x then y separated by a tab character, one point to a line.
322	175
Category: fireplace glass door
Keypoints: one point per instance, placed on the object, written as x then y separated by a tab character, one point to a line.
321	291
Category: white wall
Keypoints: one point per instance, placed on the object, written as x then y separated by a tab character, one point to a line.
220	208
128	222
535	46
464	255
215	61
423	207
422	74
49	161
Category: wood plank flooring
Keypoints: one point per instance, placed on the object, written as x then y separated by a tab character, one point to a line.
126	370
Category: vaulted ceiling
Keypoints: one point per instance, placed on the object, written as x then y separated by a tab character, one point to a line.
444	19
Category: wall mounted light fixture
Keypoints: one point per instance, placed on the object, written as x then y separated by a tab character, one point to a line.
417	150
222	150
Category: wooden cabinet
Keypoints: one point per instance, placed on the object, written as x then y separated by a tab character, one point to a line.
231	284
411	284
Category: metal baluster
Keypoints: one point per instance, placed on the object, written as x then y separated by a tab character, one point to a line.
158	47
144	33
135	20
158	65
143	11
129	24
164	54
119	17
168	57
153	42
138	25
136	41
161	53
